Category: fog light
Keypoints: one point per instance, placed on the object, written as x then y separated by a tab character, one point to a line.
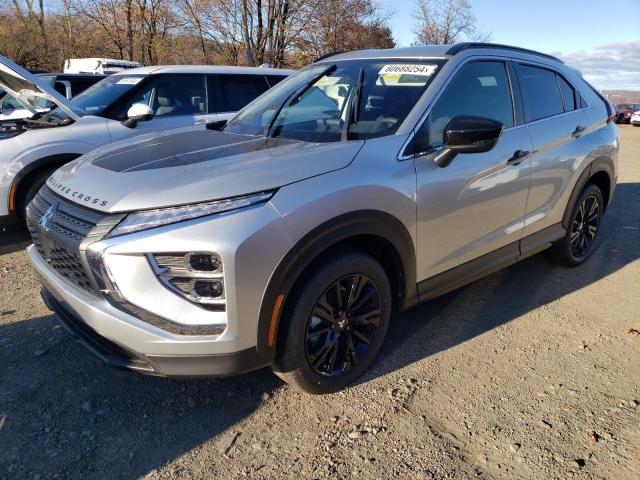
207	289
203	262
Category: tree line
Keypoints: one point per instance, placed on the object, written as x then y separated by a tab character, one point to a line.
282	33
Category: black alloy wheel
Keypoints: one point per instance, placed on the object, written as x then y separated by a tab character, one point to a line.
334	322
582	230
584	227
342	326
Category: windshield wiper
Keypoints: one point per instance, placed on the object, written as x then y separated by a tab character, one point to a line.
294	95
353	109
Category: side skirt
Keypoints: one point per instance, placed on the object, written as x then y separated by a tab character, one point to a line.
487	264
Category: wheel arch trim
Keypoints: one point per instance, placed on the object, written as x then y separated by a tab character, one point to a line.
30	168
318	241
600	164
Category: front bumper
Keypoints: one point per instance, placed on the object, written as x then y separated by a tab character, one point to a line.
127	342
160	365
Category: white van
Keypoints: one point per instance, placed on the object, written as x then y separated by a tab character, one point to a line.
103	66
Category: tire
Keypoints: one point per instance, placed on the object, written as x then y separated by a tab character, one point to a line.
580	239
34	186
325	352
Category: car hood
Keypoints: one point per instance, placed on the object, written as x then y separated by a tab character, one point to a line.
27	88
190	166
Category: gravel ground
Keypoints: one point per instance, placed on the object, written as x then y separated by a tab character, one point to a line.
532	372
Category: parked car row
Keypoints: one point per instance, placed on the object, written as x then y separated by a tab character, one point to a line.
285	234
123	105
625	112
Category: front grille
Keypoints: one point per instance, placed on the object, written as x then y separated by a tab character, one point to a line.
65	233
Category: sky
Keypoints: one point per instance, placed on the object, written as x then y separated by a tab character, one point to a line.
599	37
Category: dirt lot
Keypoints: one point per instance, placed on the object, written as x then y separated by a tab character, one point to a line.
528	373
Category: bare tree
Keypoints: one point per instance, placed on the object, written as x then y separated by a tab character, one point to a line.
41	34
446	22
344	25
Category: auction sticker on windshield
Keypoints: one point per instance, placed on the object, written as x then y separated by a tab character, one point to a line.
129	81
408	69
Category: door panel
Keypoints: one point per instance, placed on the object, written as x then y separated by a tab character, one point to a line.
557	160
476	204
559	149
472	207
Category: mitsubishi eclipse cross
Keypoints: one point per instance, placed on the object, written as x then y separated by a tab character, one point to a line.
366	183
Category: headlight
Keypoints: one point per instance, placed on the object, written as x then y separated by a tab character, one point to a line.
143	220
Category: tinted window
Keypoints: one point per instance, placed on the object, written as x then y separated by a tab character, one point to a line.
540	93
168	96
568	95
275	79
481	89
238	90
81	84
61	88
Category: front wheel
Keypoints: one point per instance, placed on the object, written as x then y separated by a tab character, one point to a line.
30	192
578	244
335	325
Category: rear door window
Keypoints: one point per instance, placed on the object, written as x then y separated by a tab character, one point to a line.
540	93
236	91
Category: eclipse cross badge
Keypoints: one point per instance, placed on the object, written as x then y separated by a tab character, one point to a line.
47	218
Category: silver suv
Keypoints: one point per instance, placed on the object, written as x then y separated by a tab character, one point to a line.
368	182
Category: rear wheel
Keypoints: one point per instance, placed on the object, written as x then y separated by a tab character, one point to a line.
578	244
336	324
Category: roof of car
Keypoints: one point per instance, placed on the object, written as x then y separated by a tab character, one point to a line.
432	51
71	75
205	69
417	51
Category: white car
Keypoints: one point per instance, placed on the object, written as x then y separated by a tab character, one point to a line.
635	119
123	105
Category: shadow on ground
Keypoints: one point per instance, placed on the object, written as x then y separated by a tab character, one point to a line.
13	239
506	295
64	412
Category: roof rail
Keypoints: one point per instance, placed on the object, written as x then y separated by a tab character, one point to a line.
459	47
327	55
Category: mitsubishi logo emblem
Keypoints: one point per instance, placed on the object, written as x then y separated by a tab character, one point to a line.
47	218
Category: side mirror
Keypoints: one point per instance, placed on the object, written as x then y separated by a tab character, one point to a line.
217	125
138	112
468	134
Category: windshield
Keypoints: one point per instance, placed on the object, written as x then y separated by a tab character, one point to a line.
95	99
329	102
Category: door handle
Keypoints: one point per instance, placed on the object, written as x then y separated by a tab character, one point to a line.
578	131
518	157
